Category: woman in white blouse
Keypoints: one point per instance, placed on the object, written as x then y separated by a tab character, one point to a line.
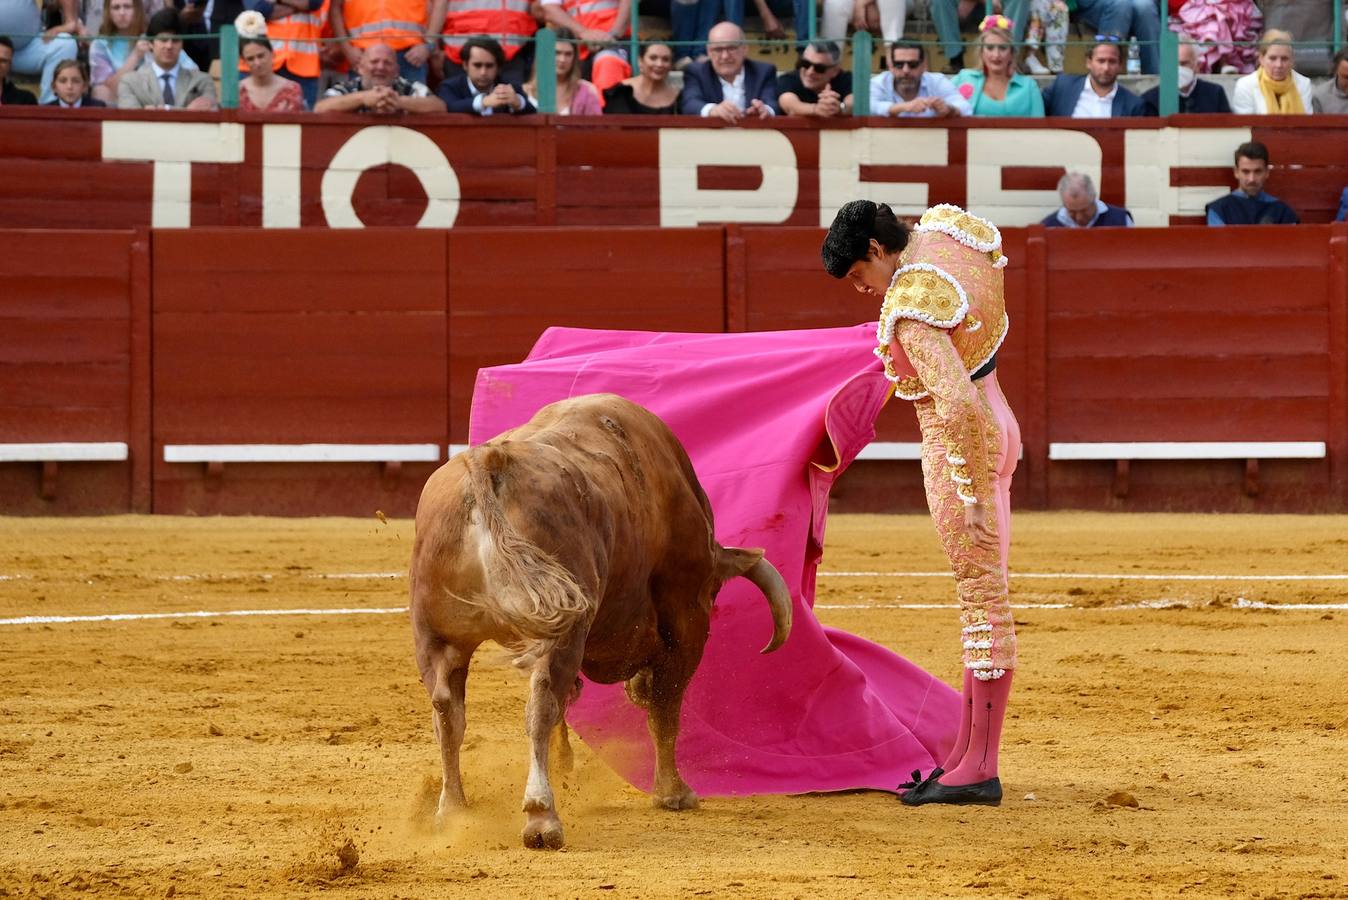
1274	88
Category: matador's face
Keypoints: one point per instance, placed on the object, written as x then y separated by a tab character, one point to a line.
872	273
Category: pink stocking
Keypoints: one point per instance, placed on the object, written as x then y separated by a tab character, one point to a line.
956	753
985	732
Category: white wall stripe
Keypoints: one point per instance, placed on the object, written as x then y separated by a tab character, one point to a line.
199	614
265	453
65	451
1190	450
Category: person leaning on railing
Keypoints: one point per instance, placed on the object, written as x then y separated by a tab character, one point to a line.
909	90
995	88
379	89
1275	88
481	89
819	86
729	86
649	92
1331	98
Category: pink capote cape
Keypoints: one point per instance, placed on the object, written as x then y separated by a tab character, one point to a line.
829	710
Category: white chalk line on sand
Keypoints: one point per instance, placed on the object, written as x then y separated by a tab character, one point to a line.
1015	576
1241	603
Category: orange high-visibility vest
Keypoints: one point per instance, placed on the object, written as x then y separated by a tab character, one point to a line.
398	23
294	41
599	14
509	22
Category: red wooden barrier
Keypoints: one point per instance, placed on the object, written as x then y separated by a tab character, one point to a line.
74	313
374	337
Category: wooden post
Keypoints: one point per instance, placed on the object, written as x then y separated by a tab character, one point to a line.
736	280
140	427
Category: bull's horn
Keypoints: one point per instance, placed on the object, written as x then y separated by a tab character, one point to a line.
769	581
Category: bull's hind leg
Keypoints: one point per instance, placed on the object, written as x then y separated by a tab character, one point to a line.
550	687
447	678
667	684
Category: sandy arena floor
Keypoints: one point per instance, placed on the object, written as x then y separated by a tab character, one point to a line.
238	756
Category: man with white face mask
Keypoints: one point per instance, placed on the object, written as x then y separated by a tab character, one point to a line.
1195	95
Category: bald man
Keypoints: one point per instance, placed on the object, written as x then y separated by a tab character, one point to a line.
729	86
1195	94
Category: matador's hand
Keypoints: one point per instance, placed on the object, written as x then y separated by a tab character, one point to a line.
977	527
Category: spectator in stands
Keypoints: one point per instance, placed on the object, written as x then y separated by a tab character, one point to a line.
35	50
1248	204
818	86
1331	98
401	25
120	47
166	82
1195	94
949	15
648	93
597	22
1049	20
512	23
1082	208
575	95
263	90
1098	94
71	87
293	30
729	86
481	89
379	89
909	90
9	94
995	88
889	16
1274	88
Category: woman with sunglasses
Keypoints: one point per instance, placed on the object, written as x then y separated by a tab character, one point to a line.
818	86
995	88
942	319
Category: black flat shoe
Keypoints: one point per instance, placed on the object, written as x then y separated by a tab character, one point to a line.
918	783
982	793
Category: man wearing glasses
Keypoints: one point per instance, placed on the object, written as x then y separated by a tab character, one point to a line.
908	89
1097	95
728	86
819	86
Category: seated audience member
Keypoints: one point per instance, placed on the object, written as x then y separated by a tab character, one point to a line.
818	86
995	88
1195	94
33	49
575	95
1097	94
1047	26
71	87
482	90
649	92
1082	208
729	86
1331	98
1274	88
263	90
167	82
908	89
119	48
379	89
1248	204
9	94
512	23
598	24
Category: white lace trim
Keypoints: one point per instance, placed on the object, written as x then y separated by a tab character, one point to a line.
968	240
958	480
885	332
978	645
995	347
954	460
992	675
975	629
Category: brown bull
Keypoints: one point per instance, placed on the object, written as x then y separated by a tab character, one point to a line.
582	541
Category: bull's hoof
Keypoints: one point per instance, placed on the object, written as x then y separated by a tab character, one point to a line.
684	799
543	833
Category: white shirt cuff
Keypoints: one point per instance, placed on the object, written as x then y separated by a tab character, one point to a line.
707	108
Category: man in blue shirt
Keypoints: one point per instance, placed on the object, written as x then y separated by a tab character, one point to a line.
1248	204
1081	208
908	89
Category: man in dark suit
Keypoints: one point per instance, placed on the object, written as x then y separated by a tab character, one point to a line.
728	86
9	94
1098	94
481	90
1195	95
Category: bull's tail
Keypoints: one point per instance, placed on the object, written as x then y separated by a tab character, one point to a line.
530	593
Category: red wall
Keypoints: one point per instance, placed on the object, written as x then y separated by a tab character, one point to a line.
375	336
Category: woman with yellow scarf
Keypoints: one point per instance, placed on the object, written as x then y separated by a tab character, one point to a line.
1273	89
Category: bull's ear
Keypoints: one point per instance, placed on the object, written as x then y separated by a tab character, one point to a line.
735	561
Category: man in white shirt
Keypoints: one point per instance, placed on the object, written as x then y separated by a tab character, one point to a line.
1098	94
728	86
908	89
